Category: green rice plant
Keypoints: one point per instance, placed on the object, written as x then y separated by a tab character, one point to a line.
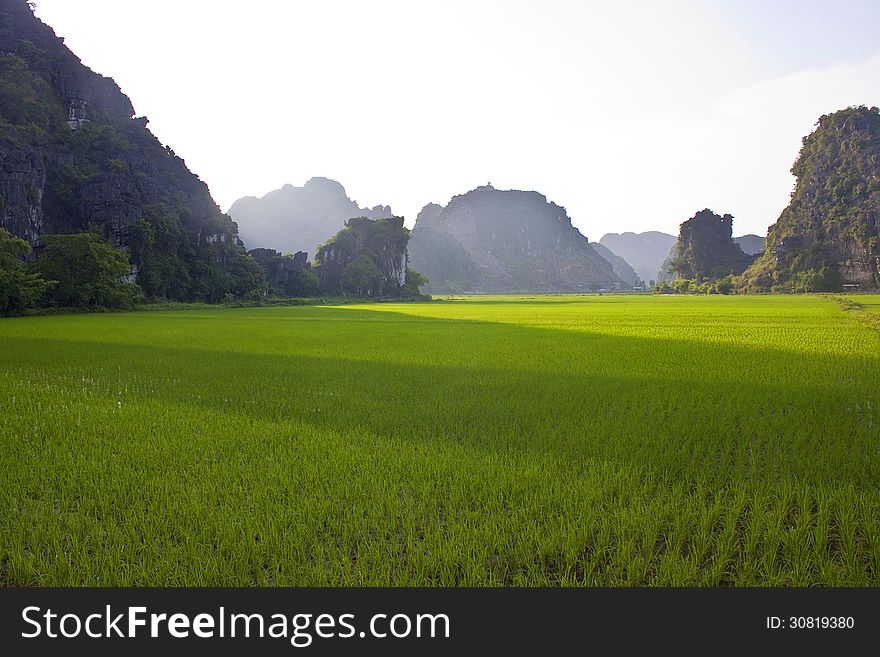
489	441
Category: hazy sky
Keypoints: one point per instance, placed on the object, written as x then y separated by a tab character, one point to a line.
633	115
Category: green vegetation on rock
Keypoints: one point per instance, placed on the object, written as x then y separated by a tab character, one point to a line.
86	271
292	219
829	234
287	275
368	257
72	158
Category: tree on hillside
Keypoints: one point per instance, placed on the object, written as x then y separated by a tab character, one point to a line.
829	235
19	290
288	275
156	243
414	280
249	280
361	276
341	262
87	270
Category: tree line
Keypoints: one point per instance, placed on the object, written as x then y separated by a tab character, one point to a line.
83	270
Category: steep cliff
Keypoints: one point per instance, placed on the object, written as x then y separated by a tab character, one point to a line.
287	275
73	155
294	219
829	234
706	250
367	257
494	241
440	253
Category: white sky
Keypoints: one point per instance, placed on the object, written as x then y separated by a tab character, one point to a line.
632	115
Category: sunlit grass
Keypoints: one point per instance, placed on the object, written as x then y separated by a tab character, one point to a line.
604	440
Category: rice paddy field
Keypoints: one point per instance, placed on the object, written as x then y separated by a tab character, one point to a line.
486	441
869	303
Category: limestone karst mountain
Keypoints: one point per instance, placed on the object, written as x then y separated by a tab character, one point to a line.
73	155
829	235
705	250
492	241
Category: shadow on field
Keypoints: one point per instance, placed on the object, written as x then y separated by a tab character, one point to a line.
673	407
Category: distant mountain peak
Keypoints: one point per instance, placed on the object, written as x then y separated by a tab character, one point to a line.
645	252
750	244
326	184
493	240
292	218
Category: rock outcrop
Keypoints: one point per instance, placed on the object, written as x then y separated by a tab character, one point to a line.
73	155
367	257
287	275
829	235
496	241
294	219
22	183
751	245
706	251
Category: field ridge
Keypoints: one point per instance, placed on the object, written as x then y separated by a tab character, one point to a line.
858	311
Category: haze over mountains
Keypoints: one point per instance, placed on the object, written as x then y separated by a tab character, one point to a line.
486	240
493	241
645	252
294	219
621	267
459	255
750	244
74	157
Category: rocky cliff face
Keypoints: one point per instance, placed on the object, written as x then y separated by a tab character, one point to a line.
294	219
496	241
439	252
829	234
72	154
286	275
645	252
22	182
380	243
751	245
84	94
706	250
